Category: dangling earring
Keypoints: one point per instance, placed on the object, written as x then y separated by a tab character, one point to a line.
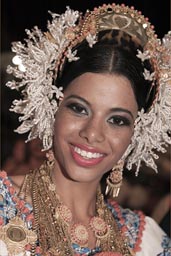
50	157
114	180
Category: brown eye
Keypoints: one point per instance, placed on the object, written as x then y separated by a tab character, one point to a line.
77	108
119	121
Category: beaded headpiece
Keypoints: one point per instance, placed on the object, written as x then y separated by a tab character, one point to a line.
41	58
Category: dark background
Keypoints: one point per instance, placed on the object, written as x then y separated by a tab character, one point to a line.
16	16
20	14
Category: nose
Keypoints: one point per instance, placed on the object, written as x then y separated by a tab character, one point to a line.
92	131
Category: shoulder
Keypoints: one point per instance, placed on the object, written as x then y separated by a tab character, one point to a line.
10	200
16	181
143	234
131	223
155	239
125	215
7	198
13	209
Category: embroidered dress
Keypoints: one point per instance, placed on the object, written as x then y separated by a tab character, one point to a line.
144	236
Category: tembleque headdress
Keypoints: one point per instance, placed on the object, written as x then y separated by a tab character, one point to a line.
40	59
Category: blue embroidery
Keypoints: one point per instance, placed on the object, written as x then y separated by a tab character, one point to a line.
7	206
131	220
166	244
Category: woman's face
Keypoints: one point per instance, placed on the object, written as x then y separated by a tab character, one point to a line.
93	125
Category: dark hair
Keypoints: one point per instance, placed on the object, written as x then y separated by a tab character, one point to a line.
112	54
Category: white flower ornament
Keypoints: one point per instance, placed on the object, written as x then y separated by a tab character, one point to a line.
39	56
41	60
148	76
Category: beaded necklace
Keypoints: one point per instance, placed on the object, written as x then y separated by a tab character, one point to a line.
53	232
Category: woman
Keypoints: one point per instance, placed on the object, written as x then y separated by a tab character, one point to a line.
111	93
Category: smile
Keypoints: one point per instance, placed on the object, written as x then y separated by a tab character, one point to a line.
86	158
86	154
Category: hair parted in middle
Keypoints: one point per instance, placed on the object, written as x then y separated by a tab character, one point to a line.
114	53
120	41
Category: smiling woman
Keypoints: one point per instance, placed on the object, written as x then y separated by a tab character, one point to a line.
94	125
96	91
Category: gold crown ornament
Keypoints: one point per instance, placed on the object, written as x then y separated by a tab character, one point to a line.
41	58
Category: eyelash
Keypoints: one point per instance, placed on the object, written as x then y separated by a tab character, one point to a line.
114	120
119	121
77	108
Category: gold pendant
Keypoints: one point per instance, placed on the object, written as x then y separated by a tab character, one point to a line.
16	235
54	252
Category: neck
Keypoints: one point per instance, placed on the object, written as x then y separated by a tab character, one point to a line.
101	230
78	196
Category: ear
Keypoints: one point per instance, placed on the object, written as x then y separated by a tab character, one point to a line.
60	100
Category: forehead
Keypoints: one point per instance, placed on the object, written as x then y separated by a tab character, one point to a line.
113	90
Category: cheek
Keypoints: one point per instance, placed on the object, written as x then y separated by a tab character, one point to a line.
64	127
59	130
121	140
60	134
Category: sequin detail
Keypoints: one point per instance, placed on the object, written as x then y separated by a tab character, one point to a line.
130	223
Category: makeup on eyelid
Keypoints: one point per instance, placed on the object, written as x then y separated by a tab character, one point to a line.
118	119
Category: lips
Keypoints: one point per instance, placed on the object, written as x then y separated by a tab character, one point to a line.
86	156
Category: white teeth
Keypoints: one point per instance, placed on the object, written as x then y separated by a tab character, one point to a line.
87	154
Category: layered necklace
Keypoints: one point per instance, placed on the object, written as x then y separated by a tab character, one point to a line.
58	234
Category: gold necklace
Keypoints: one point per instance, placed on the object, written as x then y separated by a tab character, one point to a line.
51	224
80	233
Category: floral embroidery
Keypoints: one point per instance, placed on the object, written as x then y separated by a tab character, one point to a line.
130	223
166	244
7	205
10	205
10	212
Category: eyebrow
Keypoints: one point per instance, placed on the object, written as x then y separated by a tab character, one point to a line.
122	110
79	98
111	110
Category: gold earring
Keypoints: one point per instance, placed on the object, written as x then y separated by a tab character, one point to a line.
114	180
50	157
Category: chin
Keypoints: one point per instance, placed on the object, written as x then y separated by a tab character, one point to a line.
84	177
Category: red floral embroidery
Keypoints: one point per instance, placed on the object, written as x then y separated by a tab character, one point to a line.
3	174
1	221
12	190
28	247
30	217
124	228
20	205
38	250
7	183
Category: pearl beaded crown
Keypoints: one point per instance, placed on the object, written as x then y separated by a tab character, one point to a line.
41	58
